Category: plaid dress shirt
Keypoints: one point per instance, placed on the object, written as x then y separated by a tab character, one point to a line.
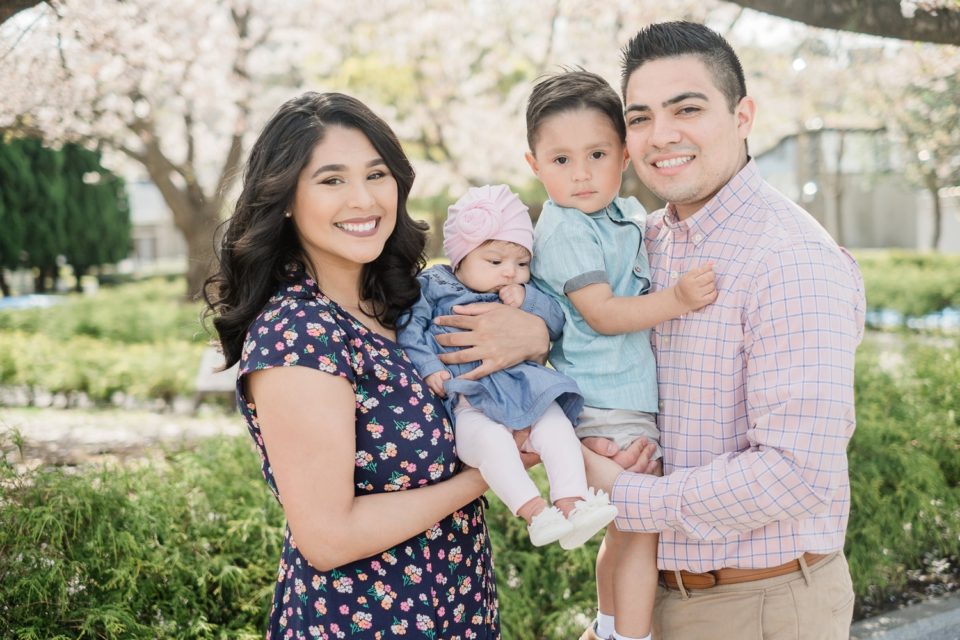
756	390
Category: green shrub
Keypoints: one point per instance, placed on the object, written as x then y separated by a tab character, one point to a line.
144	312
544	592
904	468
184	549
910	282
98	367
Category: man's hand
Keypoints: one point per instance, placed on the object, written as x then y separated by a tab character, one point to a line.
512	294
435	382
497	335
697	288
636	458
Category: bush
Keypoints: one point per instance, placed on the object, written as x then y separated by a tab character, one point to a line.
145	312
904	469
98	368
186	549
189	549
913	283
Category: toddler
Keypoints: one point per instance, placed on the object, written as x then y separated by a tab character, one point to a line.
589	256
488	238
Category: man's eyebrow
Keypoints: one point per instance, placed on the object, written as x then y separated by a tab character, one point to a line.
666	103
343	167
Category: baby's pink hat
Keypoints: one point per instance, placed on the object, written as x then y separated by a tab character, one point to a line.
491	212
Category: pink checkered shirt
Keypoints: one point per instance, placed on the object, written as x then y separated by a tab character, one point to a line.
756	390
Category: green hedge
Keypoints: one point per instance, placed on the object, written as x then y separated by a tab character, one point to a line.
147	311
98	368
183	549
188	549
910	282
139	338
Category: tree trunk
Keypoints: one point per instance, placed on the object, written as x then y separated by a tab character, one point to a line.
200	236
931	180
78	273
838	188
4	286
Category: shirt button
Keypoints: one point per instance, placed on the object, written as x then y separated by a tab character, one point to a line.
697	238
660	405
665	340
673	275
637	270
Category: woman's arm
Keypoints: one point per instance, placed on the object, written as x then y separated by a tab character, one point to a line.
609	314
307	421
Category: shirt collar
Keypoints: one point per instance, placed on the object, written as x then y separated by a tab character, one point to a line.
623	210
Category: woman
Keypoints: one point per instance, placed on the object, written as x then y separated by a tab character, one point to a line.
384	535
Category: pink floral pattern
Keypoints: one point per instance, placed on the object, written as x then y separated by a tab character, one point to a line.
439	584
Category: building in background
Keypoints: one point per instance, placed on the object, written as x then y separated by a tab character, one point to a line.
157	244
852	181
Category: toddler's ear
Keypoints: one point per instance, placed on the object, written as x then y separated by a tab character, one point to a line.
626	159
532	161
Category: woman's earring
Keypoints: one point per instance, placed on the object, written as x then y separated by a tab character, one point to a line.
287	214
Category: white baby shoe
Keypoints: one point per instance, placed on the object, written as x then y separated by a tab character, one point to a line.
548	526
589	515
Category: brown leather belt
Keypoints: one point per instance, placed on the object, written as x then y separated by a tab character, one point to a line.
733	575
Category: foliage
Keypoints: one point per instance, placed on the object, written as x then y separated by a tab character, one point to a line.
188	549
148	311
184	549
97	219
51	205
139	339
912	283
98	368
544	592
904	468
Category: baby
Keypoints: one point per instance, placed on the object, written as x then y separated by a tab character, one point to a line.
488	238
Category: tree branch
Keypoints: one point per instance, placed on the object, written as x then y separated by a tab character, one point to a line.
8	8
938	23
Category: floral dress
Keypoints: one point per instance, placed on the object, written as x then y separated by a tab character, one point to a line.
438	584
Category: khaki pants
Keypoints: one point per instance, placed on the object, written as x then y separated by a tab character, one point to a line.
815	606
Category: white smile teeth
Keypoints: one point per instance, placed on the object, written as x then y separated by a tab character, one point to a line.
357	228
673	162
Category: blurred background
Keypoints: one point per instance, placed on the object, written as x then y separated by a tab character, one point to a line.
130	501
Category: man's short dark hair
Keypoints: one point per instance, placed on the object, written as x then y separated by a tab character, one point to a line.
569	91
670	39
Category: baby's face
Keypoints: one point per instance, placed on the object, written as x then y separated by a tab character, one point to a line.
494	265
579	158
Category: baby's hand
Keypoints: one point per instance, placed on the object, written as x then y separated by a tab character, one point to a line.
435	382
697	288
512	295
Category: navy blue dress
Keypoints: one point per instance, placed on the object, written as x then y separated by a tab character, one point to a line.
439	584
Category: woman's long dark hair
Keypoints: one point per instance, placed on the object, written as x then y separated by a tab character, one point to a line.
259	241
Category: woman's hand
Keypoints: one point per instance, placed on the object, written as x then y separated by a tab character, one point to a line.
497	335
529	458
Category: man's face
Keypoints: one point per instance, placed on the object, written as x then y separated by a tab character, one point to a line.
684	143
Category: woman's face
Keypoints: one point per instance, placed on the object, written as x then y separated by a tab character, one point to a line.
345	206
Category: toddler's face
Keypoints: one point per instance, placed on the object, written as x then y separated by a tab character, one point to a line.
494	265
579	158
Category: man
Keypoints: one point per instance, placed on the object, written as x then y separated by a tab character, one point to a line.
756	390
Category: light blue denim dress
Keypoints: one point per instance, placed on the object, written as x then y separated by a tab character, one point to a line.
514	397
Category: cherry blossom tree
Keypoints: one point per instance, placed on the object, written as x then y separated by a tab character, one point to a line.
171	86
